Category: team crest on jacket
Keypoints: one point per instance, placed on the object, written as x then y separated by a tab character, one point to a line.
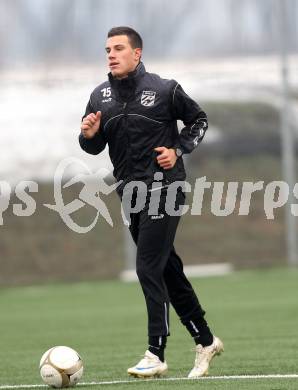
148	98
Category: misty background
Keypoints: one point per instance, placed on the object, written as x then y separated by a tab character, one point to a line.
52	32
227	56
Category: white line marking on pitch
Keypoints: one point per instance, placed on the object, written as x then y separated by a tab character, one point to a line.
224	377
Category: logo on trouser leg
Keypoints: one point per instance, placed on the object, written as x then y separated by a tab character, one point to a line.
160	216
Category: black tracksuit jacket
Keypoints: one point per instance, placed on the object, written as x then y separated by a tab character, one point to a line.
140	113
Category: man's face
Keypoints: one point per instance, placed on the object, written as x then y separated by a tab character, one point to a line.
122	58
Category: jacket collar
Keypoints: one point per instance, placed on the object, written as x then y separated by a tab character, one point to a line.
129	81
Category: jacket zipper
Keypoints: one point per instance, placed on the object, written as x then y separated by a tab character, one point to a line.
129	163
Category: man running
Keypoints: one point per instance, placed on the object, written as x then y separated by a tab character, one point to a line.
136	113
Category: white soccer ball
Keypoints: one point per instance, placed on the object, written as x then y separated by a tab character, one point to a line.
61	367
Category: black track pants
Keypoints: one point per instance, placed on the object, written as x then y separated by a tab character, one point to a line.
160	269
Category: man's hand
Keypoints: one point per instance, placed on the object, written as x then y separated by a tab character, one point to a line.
167	157
90	125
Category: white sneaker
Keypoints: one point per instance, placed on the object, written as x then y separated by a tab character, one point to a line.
149	366
204	355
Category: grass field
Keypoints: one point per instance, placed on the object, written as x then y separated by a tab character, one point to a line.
254	312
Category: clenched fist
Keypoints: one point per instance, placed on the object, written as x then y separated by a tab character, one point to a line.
167	157
90	125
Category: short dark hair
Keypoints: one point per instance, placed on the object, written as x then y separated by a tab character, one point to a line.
134	37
